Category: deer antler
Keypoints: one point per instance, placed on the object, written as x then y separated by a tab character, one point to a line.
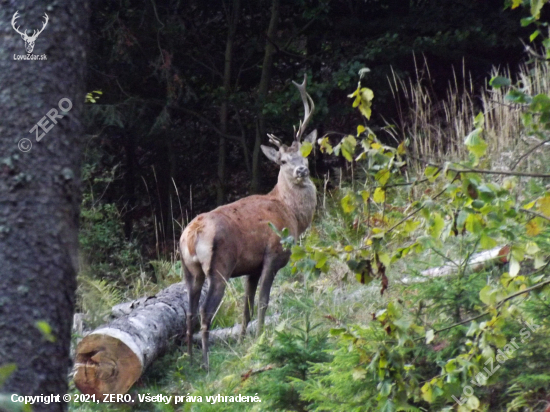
274	140
15	17
35	34
309	107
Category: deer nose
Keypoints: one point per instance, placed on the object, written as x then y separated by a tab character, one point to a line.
302	171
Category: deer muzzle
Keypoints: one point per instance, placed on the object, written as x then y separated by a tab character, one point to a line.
301	172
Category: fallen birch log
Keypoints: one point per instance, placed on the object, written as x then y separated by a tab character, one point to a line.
112	358
476	263
225	334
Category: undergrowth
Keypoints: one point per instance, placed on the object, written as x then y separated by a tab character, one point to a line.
345	341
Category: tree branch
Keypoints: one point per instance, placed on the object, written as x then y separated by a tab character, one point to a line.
537	214
527	153
500	303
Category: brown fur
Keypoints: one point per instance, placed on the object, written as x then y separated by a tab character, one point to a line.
193	230
235	239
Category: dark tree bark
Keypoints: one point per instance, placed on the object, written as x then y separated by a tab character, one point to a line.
232	21
262	94
39	193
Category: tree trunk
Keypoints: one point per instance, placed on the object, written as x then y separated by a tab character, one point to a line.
113	357
39	193
232	21
262	94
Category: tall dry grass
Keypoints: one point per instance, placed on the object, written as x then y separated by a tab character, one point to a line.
437	128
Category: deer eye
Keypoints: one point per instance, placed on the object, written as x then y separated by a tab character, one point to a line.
283	162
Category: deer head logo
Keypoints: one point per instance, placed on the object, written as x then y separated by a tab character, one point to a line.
29	40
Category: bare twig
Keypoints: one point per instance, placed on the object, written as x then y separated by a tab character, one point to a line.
527	153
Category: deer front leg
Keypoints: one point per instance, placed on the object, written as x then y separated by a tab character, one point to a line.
268	275
250	290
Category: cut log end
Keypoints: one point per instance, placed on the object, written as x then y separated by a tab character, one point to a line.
104	364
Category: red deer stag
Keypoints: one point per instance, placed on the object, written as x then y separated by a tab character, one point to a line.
235	239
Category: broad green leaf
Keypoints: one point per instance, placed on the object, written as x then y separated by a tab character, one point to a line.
526	21
325	145
514	267
487	242
321	258
532	228
474	327
360	129
426	392
431	172
401	150
305	149
479	120
536	7
437	223
385	259
534	35
475	143
348	204
516	96
410	225
379	195
298	253
388	406
543	205
499	81
488	295
540	103
337	331
384	388
474	224
540	261
531	248
382	176
348	147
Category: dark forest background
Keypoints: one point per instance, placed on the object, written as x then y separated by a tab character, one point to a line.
189	90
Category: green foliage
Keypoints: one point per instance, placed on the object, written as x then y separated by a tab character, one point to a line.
290	355
470	210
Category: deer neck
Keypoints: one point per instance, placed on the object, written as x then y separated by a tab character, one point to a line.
300	199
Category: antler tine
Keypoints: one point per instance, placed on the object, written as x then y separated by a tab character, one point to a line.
44	24
15	17
274	140
309	107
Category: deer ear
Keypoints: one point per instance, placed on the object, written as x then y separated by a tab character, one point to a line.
311	137
272	154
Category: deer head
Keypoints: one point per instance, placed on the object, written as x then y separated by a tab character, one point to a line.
294	167
29	40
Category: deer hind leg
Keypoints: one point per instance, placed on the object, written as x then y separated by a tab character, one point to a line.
251	284
194	279
218	275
